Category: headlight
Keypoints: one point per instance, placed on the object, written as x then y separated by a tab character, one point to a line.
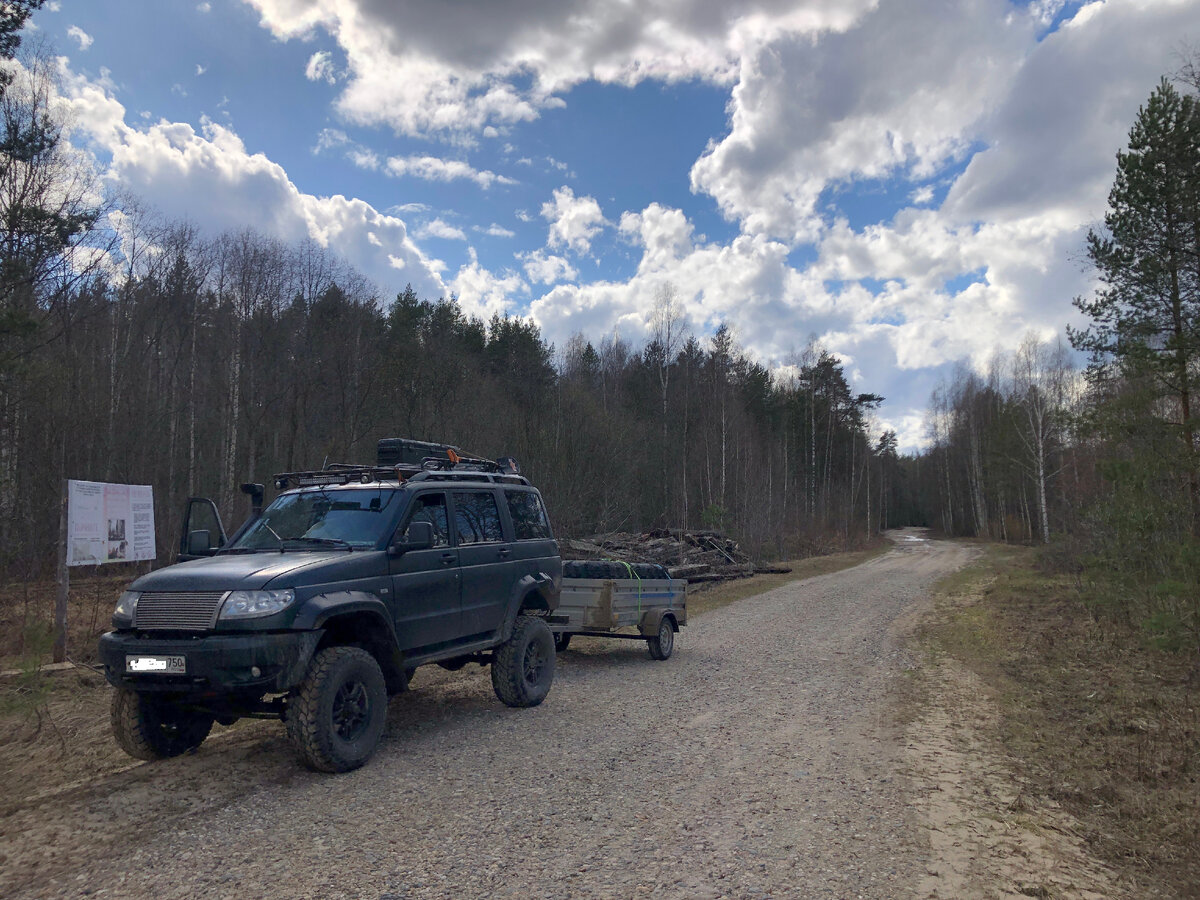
251	604
126	605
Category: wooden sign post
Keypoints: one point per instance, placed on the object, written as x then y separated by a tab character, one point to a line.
64	583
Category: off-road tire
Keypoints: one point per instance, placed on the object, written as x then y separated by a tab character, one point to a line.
337	715
147	727
561	642
523	666
663	644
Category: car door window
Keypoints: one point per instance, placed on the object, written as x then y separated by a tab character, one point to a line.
528	516
477	518
431	508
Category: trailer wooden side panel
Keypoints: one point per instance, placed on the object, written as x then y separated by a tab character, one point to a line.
593	604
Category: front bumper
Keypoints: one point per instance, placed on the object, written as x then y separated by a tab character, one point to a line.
220	664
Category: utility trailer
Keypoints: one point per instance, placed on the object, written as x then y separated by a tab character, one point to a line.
620	600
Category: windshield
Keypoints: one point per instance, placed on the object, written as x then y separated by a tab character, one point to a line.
320	519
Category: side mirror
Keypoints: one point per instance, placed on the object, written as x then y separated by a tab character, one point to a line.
200	516
199	543
420	537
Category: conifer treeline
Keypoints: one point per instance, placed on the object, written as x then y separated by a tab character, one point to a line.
212	362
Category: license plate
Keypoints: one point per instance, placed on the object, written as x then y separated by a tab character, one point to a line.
167	665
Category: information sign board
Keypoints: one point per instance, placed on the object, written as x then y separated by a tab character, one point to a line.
109	523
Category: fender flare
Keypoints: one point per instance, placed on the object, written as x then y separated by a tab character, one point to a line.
542	584
316	611
653	619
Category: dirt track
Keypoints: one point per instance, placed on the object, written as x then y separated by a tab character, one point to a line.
760	761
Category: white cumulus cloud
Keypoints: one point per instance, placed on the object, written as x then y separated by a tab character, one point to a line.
320	67
895	94
434	67
484	294
574	221
433	168
546	268
439	229
209	177
84	39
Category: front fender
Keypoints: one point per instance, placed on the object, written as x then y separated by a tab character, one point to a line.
316	611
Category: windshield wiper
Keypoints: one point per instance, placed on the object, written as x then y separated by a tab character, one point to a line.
274	534
329	542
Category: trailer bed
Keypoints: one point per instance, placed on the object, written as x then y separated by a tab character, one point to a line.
652	610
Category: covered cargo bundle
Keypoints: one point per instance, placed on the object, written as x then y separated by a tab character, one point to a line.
407	452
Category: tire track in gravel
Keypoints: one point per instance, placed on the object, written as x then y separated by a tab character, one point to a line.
757	762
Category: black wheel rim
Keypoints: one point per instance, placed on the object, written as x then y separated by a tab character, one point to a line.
167	723
534	662
351	710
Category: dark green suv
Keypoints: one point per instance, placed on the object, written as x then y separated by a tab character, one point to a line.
323	604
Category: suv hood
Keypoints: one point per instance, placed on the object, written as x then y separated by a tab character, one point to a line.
247	571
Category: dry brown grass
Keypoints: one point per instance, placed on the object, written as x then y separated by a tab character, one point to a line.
27	608
1091	717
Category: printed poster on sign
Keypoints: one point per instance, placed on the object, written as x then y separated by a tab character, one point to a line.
109	523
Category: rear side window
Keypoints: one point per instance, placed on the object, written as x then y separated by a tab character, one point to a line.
528	515
477	518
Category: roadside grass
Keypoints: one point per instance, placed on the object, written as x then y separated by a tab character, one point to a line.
27	610
708	596
1092	715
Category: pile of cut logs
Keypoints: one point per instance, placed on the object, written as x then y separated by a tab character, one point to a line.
692	555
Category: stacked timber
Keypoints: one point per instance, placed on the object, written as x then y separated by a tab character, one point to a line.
692	555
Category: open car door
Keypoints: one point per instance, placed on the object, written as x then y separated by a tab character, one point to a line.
202	533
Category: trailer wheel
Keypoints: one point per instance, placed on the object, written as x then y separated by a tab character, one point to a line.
561	640
523	666
149	728
663	643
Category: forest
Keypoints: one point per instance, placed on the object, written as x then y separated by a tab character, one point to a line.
140	351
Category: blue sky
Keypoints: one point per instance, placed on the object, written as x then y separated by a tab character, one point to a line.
909	182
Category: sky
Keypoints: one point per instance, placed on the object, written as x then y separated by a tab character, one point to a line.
909	182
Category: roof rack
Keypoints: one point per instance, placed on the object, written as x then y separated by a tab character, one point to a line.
338	474
432	468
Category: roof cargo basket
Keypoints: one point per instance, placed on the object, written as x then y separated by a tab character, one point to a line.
401	459
406	452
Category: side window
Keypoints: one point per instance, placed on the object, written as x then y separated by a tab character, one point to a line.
431	508
528	517
477	517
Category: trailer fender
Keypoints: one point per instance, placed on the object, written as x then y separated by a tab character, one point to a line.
653	618
530	592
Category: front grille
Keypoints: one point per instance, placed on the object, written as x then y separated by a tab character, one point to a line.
178	611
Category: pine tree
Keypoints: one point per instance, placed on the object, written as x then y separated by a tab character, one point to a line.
1146	317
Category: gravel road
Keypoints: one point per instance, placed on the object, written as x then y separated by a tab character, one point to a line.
759	761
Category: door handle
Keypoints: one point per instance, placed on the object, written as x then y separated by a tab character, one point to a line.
447	559
504	552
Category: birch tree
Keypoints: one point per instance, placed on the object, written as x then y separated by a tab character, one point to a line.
1039	387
